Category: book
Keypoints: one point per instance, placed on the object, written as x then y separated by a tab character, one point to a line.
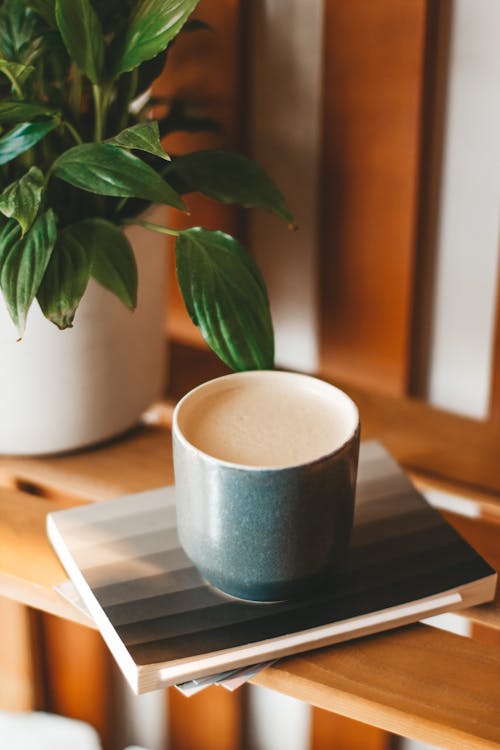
230	680
165	625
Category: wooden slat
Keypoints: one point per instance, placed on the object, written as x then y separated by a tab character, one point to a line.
373	79
479	503
78	676
141	461
419	682
21	685
486	635
483	536
28	567
432	441
329	731
211	720
495	375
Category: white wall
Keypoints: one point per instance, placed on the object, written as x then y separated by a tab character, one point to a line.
285	137
470	218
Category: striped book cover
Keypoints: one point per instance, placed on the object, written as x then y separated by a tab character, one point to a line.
164	624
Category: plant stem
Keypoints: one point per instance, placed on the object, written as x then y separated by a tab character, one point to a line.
15	83
153	227
120	205
69	127
134	76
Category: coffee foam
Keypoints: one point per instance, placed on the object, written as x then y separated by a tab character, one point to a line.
268	419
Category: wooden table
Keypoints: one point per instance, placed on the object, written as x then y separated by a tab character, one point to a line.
419	682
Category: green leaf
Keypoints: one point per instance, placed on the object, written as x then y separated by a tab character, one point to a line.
82	34
226	298
227	177
21	199
10	232
23	137
17	73
14	110
67	274
153	24
23	266
16	28
114	264
109	170
143	137
46	10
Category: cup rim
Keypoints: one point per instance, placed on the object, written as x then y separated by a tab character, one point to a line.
250	374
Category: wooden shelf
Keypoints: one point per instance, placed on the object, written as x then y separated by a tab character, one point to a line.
418	681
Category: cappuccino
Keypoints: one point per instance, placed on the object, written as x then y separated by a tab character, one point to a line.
275	420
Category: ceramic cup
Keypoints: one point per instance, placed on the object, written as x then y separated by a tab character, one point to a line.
260	532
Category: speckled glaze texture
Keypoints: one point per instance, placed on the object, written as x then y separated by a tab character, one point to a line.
269	534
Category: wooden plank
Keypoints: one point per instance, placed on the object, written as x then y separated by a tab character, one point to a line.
78	676
447	495
495	375
373	80
28	567
483	536
140	461
486	635
387	681
21	686
329	731
429	440
211	720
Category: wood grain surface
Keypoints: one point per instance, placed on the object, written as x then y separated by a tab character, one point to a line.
77	674
387	681
330	731
21	688
210	720
373	82
495	369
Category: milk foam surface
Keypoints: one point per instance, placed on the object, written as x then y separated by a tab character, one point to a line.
266	424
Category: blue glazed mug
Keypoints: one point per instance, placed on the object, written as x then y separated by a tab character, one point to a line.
264	485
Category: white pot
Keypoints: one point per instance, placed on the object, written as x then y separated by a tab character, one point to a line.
61	390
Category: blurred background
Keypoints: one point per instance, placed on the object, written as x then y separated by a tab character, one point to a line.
380	121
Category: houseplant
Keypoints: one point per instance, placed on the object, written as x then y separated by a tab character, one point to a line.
80	160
